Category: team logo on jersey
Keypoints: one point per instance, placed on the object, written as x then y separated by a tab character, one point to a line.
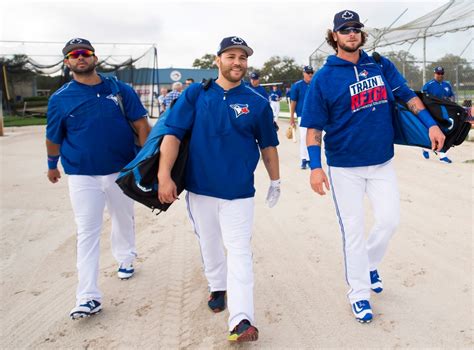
113	98
368	93
347	15
364	74
240	109
236	40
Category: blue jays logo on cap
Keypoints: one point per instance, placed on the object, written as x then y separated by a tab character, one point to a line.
346	17
233	42
240	109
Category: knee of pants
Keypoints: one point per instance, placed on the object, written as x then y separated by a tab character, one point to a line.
388	222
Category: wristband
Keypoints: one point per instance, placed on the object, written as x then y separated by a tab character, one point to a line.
426	118
314	152
275	183
53	162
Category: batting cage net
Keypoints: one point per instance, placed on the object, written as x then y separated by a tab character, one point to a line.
32	71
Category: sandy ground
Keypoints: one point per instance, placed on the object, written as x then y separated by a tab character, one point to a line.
300	288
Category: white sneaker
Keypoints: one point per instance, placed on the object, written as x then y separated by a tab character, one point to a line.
125	271
86	310
362	311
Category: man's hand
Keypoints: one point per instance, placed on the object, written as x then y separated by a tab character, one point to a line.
167	192
273	193
317	179
437	138
54	175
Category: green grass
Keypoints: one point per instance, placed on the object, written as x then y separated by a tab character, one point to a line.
284	107
22	121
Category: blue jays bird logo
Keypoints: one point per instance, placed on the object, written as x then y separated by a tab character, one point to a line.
364	74
240	109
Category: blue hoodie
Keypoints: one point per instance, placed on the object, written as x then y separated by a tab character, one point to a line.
352	103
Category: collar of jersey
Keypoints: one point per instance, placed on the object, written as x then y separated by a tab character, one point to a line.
232	91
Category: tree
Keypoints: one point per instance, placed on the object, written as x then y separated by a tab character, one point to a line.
406	65
205	62
280	69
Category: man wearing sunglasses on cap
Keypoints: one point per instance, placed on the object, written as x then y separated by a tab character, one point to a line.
88	131
350	99
440	88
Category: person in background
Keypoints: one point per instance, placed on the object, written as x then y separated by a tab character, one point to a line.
161	100
298	95
255	85
275	97
176	90
440	88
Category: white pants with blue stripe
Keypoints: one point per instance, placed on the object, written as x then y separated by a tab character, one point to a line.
219	224
303	148
361	255
89	197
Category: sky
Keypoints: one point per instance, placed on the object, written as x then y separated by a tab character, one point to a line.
186	30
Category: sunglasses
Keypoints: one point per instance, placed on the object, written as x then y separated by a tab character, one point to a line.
76	53
309	72
349	30
439	73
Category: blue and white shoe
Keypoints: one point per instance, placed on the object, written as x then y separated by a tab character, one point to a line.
304	163
426	154
125	271
445	160
362	311
375	282
86	310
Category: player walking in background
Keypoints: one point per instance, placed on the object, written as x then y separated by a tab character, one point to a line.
228	123
87	129
275	97
255	84
440	88
298	95
350	98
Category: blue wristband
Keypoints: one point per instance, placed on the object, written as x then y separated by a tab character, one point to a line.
426	118
53	162
314	152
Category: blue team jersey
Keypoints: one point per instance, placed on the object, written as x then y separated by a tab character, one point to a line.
227	129
352	103
87	122
439	89
275	95
298	94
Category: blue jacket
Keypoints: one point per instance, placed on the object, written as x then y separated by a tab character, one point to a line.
227	129
87	122
298	93
352	103
439	89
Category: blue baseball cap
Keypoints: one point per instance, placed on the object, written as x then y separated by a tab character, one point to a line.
346	18
254	76
308	69
234	42
439	70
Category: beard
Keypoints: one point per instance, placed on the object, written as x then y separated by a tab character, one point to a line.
85	70
349	48
228	74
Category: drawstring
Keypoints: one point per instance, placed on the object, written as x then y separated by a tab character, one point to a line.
356	73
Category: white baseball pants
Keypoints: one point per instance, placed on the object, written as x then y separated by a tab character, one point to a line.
276	109
303	148
349	186
220	223
89	196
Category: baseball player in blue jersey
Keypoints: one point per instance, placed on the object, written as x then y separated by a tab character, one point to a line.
297	96
255	84
228	122
350	99
440	88
275	97
88	131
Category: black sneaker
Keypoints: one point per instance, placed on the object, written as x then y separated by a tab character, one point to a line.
243	332
217	301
